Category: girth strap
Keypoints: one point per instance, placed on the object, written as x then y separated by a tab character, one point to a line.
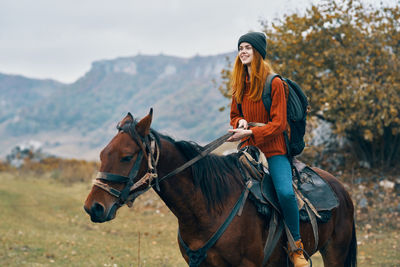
312	214
314	225
274	234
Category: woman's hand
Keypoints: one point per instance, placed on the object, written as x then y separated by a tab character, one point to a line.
243	124
238	134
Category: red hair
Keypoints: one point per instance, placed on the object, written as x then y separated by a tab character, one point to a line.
259	72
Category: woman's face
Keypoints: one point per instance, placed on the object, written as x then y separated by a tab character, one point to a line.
246	53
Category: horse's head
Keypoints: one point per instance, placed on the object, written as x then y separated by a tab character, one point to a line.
126	170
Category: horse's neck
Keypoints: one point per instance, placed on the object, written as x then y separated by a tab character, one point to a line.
178	192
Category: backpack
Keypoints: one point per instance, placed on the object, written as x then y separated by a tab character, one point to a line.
297	107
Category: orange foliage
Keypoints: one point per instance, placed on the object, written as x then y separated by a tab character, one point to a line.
4	167
64	170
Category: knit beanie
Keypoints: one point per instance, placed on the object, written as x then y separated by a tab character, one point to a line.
257	40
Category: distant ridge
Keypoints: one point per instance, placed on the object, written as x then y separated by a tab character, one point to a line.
78	119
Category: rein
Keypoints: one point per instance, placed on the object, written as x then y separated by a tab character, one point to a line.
207	149
150	149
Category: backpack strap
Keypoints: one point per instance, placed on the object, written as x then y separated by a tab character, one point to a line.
239	106
267	100
266	95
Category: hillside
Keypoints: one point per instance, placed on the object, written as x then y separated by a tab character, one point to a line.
18	92
78	119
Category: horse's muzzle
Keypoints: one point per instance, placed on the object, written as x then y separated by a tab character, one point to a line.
98	212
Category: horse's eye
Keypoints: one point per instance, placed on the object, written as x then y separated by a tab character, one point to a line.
126	159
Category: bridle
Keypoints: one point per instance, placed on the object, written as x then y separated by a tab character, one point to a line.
149	150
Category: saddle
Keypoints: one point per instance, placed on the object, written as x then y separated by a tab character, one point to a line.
315	197
310	189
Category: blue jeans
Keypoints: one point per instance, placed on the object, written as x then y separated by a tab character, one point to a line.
281	173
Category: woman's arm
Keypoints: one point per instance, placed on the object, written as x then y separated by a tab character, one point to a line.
237	121
278	115
235	114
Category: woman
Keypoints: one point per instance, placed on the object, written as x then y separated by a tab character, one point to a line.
248	78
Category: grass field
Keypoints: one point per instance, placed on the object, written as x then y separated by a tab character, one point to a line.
42	223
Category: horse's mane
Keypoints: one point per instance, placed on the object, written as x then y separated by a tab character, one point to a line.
216	175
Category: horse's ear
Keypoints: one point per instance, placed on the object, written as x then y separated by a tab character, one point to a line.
128	117
143	126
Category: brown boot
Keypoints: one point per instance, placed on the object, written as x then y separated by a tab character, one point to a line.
297	257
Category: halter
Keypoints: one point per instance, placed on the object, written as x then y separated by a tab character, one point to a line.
149	149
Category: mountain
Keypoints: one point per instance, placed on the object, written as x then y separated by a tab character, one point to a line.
78	119
18	92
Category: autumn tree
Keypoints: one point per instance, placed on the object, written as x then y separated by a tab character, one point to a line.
346	56
226	82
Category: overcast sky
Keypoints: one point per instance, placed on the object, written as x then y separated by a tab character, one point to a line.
59	39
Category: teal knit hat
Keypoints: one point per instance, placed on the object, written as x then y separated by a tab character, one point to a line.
257	40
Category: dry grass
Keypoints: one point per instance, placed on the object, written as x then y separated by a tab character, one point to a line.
42	223
67	171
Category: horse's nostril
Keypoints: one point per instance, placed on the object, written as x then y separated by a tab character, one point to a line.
97	210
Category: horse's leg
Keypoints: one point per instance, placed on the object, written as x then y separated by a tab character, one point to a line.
341	246
340	249
338	245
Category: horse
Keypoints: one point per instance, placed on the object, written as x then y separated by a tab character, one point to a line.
202	197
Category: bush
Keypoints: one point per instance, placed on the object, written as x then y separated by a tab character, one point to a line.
346	56
67	171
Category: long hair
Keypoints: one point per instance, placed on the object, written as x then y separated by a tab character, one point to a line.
259	72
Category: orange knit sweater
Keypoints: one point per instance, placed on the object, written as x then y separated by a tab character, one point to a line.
269	138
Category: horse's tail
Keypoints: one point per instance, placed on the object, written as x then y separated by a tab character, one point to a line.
351	258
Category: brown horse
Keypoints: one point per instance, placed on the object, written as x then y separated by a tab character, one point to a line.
202	197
